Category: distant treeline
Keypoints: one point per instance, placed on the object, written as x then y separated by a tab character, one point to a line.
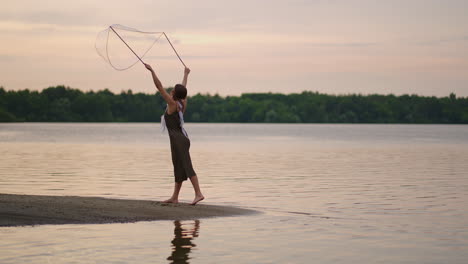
63	104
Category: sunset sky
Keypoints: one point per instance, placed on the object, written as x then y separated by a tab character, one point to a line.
233	47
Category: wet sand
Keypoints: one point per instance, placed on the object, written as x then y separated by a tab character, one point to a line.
18	210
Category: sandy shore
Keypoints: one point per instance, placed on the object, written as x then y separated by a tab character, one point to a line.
17	210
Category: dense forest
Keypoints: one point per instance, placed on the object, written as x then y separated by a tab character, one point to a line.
64	104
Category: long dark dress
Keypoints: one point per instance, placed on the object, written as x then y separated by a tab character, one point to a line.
180	145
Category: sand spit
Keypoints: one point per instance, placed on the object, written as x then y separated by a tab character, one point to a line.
19	210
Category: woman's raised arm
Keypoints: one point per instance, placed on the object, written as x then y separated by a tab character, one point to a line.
184	83
186	73
159	86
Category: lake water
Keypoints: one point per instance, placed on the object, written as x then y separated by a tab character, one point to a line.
327	193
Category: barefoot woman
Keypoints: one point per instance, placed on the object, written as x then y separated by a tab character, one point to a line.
180	143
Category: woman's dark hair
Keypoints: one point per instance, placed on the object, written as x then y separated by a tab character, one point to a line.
180	92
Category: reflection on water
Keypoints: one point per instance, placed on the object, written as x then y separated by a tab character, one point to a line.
184	233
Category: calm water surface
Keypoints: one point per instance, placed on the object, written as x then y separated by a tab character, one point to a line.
327	193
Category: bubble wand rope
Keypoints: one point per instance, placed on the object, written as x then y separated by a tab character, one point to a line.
174	49
128	45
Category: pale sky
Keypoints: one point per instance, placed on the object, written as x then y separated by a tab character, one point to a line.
233	47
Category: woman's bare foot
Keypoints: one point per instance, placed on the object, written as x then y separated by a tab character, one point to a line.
171	200
197	199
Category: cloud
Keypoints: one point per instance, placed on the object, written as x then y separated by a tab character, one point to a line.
7	58
190	57
21	27
443	40
344	44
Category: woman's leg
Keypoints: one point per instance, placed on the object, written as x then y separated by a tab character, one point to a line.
196	187
175	196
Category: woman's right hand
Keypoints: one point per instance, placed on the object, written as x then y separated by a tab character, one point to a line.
186	71
148	67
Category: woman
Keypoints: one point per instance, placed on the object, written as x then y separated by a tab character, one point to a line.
180	143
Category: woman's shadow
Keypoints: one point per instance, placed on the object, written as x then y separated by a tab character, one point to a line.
184	233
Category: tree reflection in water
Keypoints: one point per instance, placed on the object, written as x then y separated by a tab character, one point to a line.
182	242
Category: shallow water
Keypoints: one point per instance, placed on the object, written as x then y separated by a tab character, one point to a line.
327	193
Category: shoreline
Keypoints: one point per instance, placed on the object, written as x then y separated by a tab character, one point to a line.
24	210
